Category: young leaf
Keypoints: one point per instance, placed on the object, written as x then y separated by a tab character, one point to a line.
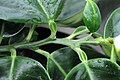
95	69
78	31
23	69
30	11
91	16
112	27
53	26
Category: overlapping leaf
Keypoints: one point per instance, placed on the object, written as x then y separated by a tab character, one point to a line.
30	11
112	27
96	69
66	58
23	69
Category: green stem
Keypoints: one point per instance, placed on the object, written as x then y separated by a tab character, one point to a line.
113	54
42	52
89	42
1	32
27	45
51	39
1	38
13	52
47	55
13	56
31	31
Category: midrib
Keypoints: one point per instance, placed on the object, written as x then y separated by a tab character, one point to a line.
88	70
11	68
43	8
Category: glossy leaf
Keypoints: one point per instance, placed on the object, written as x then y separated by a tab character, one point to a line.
106	8
23	69
92	16
67	59
30	11
79	30
71	14
112	28
95	69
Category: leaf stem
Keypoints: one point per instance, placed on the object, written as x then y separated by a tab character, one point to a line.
47	55
113	54
29	36
27	45
13	56
42	52
1	38
52	39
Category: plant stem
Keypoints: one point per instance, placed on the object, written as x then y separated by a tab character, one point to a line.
113	54
47	55
13	52
42	52
13	56
29	36
27	45
1	38
52	39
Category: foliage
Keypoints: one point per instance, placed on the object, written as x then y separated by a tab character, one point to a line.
78	60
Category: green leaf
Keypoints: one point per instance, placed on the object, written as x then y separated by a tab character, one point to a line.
23	69
71	14
95	69
92	16
66	58
112	28
30	11
78	31
106	8
92	53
